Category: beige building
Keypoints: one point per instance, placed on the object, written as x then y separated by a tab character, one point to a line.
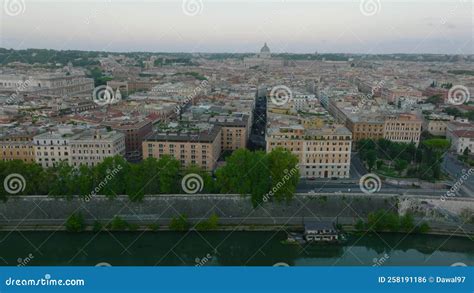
93	146
365	127
235	131
77	147
436	124
17	147
404	128
201	147
322	152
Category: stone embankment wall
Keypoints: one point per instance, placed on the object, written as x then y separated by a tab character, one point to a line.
232	209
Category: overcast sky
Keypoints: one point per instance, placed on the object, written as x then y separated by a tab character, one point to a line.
367	26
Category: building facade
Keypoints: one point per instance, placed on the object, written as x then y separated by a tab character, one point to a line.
201	148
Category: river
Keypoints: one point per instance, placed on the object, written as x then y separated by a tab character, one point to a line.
226	248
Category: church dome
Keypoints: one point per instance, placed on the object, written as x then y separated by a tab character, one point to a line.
265	49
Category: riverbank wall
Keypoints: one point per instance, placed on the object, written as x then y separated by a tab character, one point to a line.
46	213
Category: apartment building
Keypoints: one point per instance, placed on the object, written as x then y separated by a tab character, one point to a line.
48	84
17	147
461	135
93	146
77	146
436	124
235	131
365	127
322	152
404	128
201	147
135	132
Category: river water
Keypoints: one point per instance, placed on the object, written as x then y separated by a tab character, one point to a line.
227	248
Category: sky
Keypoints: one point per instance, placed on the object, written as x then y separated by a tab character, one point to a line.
288	26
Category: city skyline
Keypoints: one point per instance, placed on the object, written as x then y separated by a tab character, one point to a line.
359	27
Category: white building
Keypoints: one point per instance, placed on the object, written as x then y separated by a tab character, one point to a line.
77	147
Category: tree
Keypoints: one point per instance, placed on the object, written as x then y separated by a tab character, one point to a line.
180	223
371	157
246	173
75	223
407	223
433	150
118	223
168	174
284	173
111	174
400	165
210	224
208	184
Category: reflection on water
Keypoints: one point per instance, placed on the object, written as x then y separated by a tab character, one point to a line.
226	248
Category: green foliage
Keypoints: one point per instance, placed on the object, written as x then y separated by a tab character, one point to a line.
382	220
97	227
75	223
210	224
424	228
407	223
360	225
118	223
180	223
263	176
